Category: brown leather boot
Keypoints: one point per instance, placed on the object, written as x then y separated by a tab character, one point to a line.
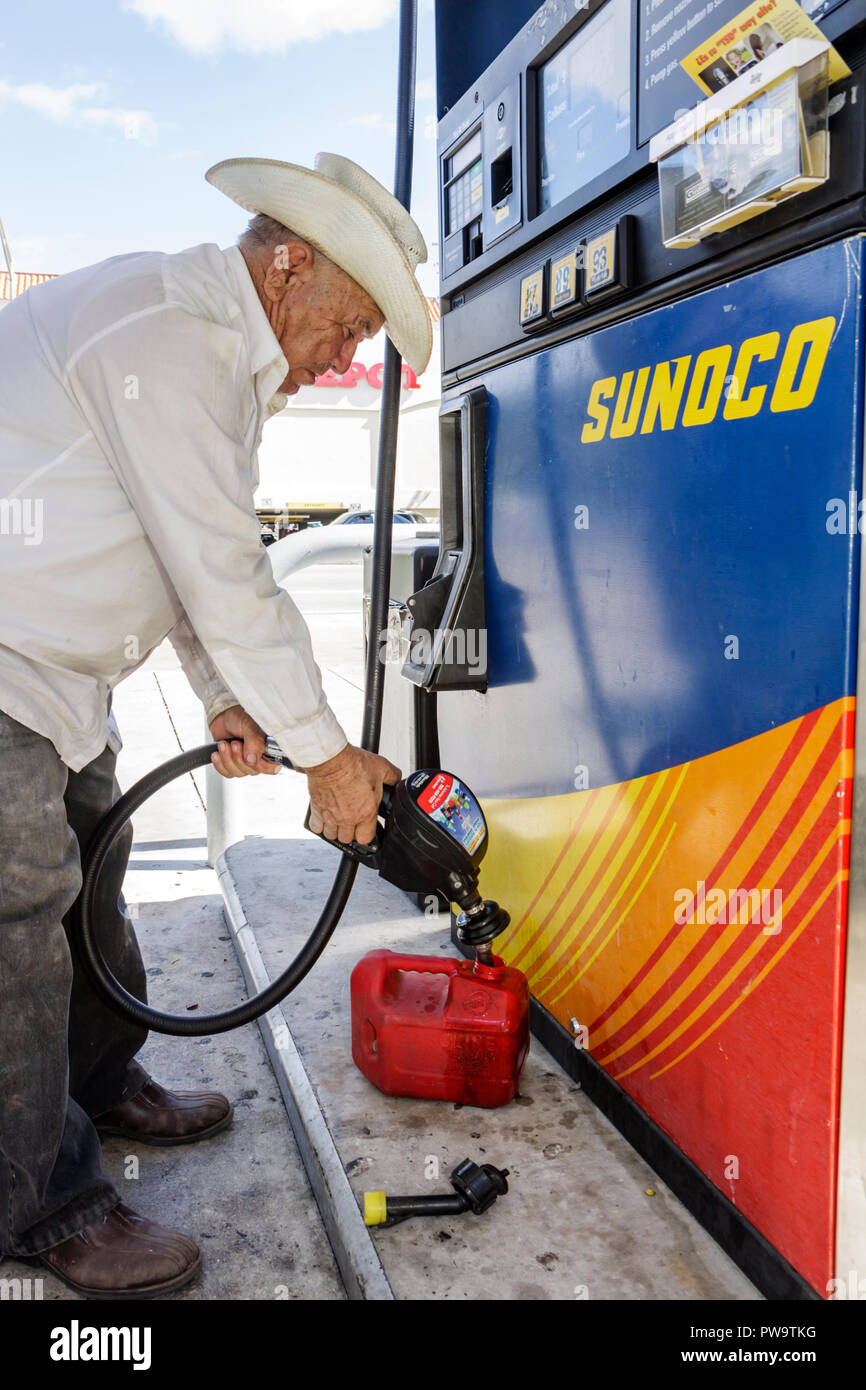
124	1256
157	1116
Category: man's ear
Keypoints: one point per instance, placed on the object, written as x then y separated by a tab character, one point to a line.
290	267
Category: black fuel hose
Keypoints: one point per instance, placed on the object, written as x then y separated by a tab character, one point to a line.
83	923
84	927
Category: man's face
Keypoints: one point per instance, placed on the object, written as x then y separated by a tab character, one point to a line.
319	314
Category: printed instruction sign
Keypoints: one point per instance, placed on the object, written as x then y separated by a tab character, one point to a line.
752	35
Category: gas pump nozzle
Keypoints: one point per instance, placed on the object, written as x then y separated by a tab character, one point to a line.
432	834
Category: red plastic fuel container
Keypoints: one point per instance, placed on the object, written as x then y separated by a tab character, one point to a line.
440	1029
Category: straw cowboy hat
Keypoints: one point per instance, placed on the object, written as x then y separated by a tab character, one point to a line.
347	215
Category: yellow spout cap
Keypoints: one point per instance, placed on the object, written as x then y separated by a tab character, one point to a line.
375	1208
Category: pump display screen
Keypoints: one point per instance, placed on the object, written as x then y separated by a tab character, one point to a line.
584	104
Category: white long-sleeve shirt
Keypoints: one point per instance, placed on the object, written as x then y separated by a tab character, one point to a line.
133	394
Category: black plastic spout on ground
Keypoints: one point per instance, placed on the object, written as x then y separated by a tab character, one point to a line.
476	1188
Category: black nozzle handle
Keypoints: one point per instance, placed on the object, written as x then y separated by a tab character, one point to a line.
364	854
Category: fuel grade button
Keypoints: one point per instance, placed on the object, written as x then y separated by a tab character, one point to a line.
565	281
608	260
533	297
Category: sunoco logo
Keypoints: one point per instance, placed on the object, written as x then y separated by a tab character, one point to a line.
691	391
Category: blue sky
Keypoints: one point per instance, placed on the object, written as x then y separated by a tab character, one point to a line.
111	111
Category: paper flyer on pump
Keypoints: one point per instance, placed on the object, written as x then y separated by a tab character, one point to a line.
757	31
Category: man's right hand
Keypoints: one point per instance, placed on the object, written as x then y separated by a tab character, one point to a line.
345	793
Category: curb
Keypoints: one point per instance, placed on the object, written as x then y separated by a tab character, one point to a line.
356	1256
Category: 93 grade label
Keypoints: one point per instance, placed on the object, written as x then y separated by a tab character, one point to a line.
601	261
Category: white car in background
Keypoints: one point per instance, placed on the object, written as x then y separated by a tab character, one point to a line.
360	518
342	542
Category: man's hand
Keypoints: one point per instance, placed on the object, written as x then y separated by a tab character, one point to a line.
345	793
241	745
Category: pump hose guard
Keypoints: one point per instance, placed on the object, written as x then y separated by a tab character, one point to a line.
83	926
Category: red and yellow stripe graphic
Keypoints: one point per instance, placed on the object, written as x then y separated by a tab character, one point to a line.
705	1021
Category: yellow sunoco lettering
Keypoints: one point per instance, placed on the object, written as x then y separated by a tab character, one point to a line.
623	424
602	389
740	403
662	387
712	363
665	395
818	334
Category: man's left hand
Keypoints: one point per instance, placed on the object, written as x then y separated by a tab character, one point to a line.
241	745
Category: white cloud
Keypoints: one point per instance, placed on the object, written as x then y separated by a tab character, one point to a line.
71	106
58	103
259	26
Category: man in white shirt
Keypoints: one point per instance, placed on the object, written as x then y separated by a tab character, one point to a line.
132	400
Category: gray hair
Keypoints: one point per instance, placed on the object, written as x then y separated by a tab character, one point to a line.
267	232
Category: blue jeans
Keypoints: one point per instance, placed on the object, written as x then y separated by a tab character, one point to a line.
64	1056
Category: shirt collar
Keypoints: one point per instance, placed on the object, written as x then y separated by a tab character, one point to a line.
264	346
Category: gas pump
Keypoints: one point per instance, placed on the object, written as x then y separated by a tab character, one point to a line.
651	473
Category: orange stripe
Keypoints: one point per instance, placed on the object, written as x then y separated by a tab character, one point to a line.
617	1044
774	960
781	836
647	788
737	957
616	801
515	928
703	1008
609	903
622	918
799	737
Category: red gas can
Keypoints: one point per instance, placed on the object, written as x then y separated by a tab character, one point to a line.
440	1029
